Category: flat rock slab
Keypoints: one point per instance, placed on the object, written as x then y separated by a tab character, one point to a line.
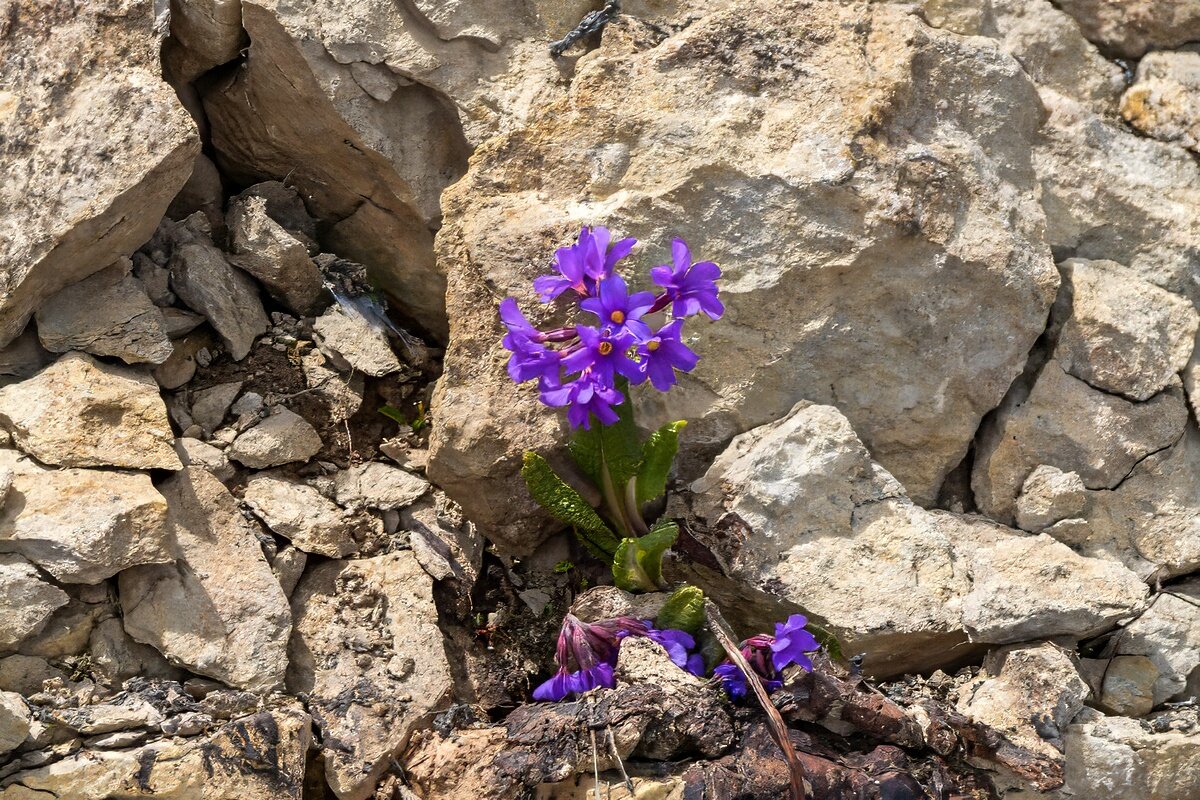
378	485
302	515
281	438
80	412
26	601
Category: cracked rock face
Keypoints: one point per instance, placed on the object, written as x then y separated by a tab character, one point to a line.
771	153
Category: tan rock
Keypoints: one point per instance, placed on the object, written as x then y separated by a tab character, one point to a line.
1169	635
351	339
105	145
378	485
300	514
204	35
1119	759
1049	495
281	438
1164	101
26	601
368	653
14	721
280	261
1122	685
79	412
218	610
1129	28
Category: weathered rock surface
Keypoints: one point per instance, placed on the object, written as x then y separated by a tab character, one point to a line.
260	756
650	127
1169	635
265	249
193	452
217	610
1065	423
1124	335
204	279
378	485
79	412
356	343
1123	685
1164	101
368	653
1119	758
204	35
14	721
108	314
1129	28
1049	495
82	525
281	438
26	602
96	146
299	513
799	510
209	406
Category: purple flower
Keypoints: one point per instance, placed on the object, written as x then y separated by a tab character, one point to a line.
585	396
663	353
604	353
677	643
617	309
578	682
695	664
734	682
690	287
583	264
792	643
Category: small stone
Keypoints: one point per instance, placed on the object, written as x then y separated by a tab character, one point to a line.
209	406
26	601
179	323
248	403
1128	684
155	281
1128	28
192	431
288	566
181	366
107	314
193	452
1049	496
132	712
14	721
1168	633
377	485
262	247
300	514
281	438
536	599
1164	100
353	340
342	394
79	412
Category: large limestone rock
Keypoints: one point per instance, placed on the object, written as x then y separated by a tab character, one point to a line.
848	279
1063	422
261	756
26	601
218	610
96	145
1118	758
1169	635
299	513
1129	28
799	510
204	34
108	314
368	653
79	412
1164	102
82	525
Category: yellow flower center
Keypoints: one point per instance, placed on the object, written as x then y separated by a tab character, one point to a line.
652	345
617	316
605	348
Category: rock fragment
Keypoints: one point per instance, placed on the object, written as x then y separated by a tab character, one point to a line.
1129	28
14	721
300	514
1122	685
280	261
1049	495
209	406
193	452
281	438
1169	635
1120	758
378	485
353	341
79	412
1163	101
26	601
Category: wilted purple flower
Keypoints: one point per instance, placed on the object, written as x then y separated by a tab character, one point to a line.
585	396
582	265
663	353
617	309
691	288
792	643
605	353
734	682
677	643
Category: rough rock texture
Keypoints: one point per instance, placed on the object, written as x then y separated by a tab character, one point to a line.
1122	685
799	510
204	34
95	145
266	250
1065	423
1164	102
378	485
368	653
303	516
14	721
351	339
652	127
26	602
261	756
218	610
201	454
281	438
1049	496
1119	759
108	314
82	525
1131	27
79	412
1169	635
1124	335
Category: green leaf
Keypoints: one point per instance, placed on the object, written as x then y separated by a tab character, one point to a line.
394	414
684	610
657	456
567	506
615	446
827	640
637	564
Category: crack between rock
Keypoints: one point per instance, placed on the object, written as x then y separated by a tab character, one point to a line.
1138	463
421	27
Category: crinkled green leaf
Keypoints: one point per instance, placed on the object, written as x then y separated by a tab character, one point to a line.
657	456
615	446
637	565
684	610
568	506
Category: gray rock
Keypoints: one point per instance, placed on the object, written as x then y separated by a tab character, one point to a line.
377	485
1131	27
285	206
209	406
799	511
22	358
205	280
447	545
14	721
156	281
288	566
204	34
351	339
280	261
115	657
218	610
181	366
203	191
281	438
368	653
193	452
26	601
107	314
1118	758
300	514
131	712
343	394
1169	635
1124	335
79	412
25	675
1049	495
179	323
1163	101
105	145
82	525
1122	685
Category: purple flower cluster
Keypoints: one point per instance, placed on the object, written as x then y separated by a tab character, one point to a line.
591	648
768	656
578	367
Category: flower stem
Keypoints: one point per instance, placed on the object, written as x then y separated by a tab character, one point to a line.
631	508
